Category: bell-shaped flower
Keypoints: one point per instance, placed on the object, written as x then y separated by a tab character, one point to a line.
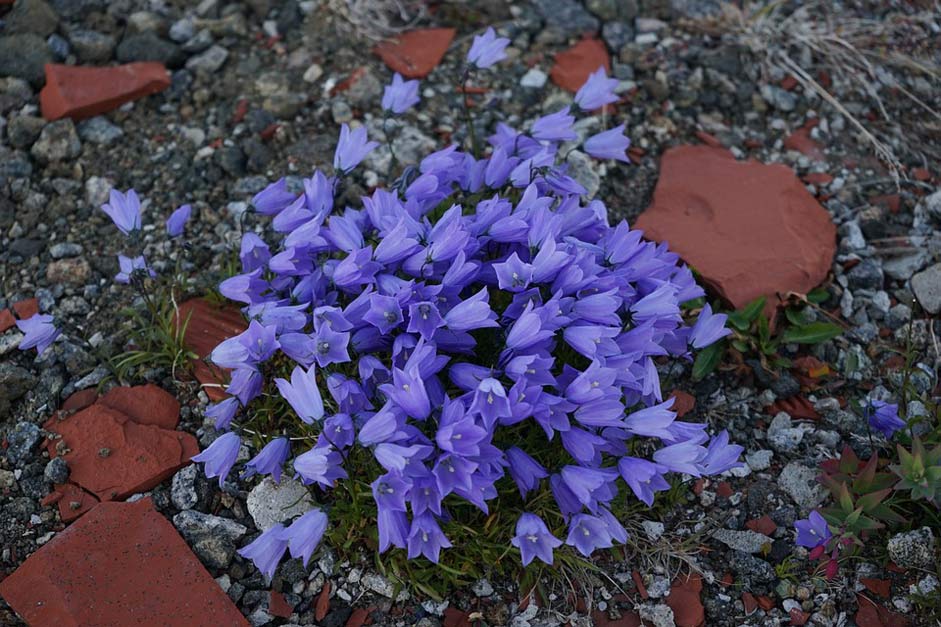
266	550
303	394
220	456
534	539
305	533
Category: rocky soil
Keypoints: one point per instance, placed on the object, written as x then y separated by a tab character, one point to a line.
258	89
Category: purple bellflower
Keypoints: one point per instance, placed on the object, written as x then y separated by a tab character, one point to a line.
39	332
302	393
884	417
304	534
266	550
269	460
611	144
128	266
709	328
178	219
124	210
426	538
534	539
400	95
597	91
351	149
219	458
487	49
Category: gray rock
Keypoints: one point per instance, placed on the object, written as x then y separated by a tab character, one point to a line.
96	190
191	524
142	21
747	541
800	484
32	16
183	488
270	503
566	16
91	46
25	56
482	588
14	383
23	130
379	584
58	141
25	435
365	91
534	79
99	130
783	435
582	168
617	34
902	268
913	549
753	570
199	42
65	249
785	385
927	288
209	61
657	615
56	471
759	460
780	99
182	30
932	205
866	275
148	46
653	529
613	10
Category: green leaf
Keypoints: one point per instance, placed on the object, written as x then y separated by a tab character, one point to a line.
743	318
708	360
813	333
818	295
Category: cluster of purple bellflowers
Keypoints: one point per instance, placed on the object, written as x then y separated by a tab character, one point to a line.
477	304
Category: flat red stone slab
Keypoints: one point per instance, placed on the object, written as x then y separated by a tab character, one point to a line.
26	308
121	564
573	66
207	326
114	457
145	405
7	321
72	501
748	228
416	53
84	92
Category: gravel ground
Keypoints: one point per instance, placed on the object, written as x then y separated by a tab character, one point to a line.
259	90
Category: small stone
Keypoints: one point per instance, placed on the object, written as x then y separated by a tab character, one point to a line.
653	529
583	169
182	30
902	268
270	503
32	16
759	460
209	61
71	271
913	549
657	615
534	79
148	46
200	42
57	141
927	288
23	130
313	73
378	584
91	46
183	488
866	275
566	16
65	249
482	588
747	541
782	435
24	56
99	130
801	485
57	470
24	437
779	98
97	190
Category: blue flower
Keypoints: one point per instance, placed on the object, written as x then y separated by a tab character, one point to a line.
610	144
219	458
534	539
178	219
400	95
351	149
269	460
266	550
487	49
597	91
304	534
39	332
124	210
884	417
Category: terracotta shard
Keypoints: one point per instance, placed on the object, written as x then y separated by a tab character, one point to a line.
84	92
73	501
416	53
748	228
80	400
7	321
26	309
683	402
206	326
684	600
573	66
145	405
801	141
121	564
278	605
114	457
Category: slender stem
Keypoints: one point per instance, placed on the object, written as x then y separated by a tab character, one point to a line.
467	115
385	130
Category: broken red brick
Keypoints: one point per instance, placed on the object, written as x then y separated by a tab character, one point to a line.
683	402
121	564
112	456
73	501
684	600
882	587
750	603
765	603
145	405
724	489
323	602
26	309
572	66
84	92
80	400
763	525
801	141
709	139
7	321
206	326
639	584
416	53
454	617
818	178
278	605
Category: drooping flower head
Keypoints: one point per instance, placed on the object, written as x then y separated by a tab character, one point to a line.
39	332
610	144
266	550
129	266
178	219
487	49
124	210
269	460
597	91
534	539
401	95
352	148
884	417
220	456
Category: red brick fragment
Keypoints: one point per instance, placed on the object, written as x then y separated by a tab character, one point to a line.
454	617
765	603
323	602
416	53
639	584
724	489
763	525
801	141
83	92
798	617
112	456
80	400
73	501
121	564
818	178
684	600
882	587
683	402
26	309
278	605
750	603
206	326
145	405
357	618
7	321
709	139
573	66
